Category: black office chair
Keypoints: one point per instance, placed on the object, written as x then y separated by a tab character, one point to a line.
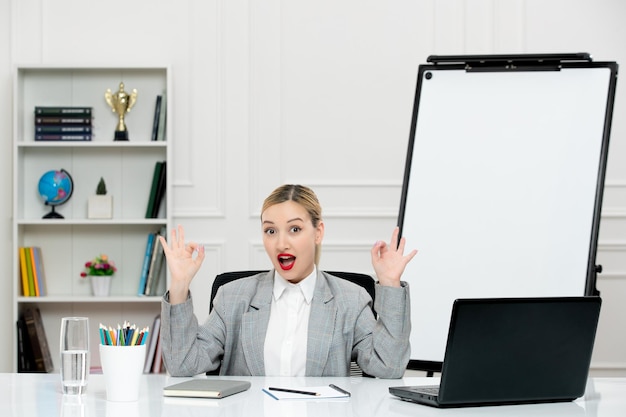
364	280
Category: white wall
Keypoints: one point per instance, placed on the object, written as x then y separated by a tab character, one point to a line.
319	93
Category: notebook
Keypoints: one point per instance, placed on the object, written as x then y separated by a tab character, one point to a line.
513	351
206	388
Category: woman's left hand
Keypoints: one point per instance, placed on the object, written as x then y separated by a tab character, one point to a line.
389	260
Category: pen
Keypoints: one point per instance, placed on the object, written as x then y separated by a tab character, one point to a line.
293	391
341	390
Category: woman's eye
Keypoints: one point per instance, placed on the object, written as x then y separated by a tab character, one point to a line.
295	229
269	231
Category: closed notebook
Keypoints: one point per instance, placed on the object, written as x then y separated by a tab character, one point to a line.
206	388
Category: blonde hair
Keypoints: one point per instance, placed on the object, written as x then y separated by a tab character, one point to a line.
306	198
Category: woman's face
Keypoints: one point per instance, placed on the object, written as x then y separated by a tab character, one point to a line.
290	238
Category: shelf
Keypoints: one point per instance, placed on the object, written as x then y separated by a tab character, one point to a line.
90	222
93	144
127	168
88	299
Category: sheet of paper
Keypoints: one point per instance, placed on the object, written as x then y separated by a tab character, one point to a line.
324	391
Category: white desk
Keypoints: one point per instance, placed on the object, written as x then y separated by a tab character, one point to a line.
40	395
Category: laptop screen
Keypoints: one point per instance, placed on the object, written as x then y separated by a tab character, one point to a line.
519	349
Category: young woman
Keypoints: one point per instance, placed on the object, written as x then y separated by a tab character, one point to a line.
294	320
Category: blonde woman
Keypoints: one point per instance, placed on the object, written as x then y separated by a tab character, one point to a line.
294	320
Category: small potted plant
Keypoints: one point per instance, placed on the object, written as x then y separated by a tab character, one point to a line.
99	270
100	206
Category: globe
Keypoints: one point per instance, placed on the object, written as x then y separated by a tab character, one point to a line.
55	188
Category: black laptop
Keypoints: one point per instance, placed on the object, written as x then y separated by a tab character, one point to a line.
513	351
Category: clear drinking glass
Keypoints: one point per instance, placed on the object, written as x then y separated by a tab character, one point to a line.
74	354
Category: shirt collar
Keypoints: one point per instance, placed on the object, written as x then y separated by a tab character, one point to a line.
307	285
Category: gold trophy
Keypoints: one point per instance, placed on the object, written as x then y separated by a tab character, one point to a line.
121	102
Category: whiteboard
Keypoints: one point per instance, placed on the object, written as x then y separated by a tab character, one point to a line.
502	189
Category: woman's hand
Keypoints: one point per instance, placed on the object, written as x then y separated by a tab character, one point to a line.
182	263
389	260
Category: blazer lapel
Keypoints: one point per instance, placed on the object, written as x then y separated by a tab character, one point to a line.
254	325
321	327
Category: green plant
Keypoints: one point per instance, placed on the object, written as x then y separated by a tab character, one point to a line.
100	265
101	189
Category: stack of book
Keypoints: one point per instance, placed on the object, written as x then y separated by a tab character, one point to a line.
151	280
63	123
32	343
157	190
32	273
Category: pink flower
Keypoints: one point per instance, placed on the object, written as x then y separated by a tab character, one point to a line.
100	265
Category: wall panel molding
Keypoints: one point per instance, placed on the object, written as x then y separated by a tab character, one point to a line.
352	199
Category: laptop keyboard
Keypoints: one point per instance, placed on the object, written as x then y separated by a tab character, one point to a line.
430	389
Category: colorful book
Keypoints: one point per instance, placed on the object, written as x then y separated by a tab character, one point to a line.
32	291
61	129
157	273
156	261
31	255
38	340
63	111
146	264
153	189
24	272
81	121
40	273
157	116
63	137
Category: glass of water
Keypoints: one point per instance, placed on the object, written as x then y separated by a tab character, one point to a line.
74	354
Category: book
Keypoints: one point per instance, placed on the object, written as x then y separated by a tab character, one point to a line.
62	121
62	129
25	361
40	273
157	116
156	273
154	336
206	388
32	291
145	267
63	111
156	263
38	340
65	137
162	118
158	357
153	189
23	272
31	256
160	192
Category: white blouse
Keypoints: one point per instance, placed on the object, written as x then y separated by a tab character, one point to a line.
287	331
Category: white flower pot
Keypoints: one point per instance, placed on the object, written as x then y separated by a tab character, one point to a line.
100	285
100	207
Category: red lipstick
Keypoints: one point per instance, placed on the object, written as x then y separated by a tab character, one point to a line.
286	261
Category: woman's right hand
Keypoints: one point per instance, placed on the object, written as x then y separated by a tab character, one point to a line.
182	263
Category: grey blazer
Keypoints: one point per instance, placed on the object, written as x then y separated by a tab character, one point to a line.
342	328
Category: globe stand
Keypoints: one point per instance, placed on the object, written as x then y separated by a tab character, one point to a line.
53	215
55	188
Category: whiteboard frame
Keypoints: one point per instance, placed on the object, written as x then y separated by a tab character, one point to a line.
498	68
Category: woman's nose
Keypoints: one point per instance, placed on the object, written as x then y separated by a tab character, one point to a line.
283	242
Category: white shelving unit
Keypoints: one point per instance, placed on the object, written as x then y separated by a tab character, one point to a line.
126	166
